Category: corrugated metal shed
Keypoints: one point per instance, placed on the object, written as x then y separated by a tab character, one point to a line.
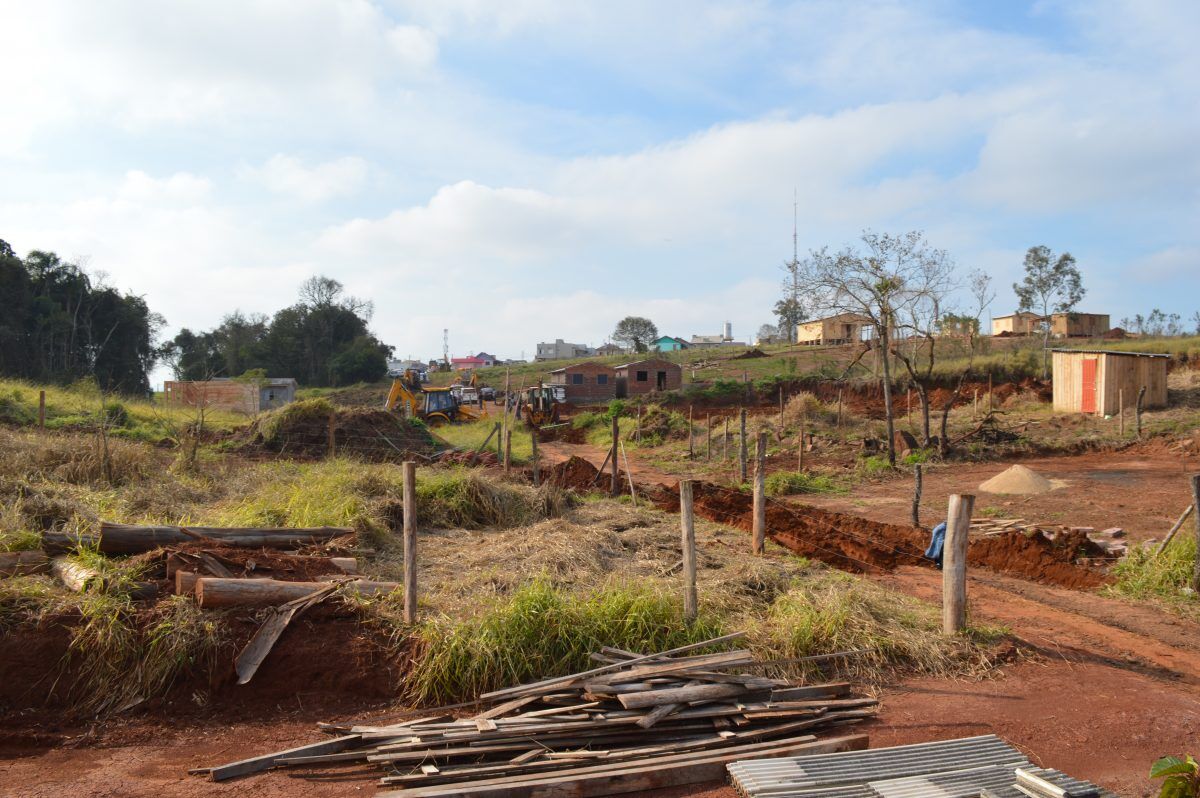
965	768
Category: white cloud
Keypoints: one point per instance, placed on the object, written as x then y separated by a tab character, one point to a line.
284	174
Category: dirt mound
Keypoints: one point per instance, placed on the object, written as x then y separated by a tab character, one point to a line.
1033	557
575	473
750	354
484	458
860	545
303	429
1018	481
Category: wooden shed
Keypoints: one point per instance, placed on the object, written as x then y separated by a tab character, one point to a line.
1094	380
586	383
844	328
644	376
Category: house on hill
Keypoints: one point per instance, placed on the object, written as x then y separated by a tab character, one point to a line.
668	343
236	396
1078	325
562	350
646	376
586	383
609	349
1020	323
466	363
843	328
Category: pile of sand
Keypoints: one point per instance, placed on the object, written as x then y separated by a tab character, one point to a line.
1017	480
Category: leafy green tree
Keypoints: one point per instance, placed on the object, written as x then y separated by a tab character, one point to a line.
1180	775
1050	285
60	324
635	333
790	311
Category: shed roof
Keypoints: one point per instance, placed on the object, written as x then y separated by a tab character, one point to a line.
1110	352
646	360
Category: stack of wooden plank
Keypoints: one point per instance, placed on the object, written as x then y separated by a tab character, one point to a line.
633	723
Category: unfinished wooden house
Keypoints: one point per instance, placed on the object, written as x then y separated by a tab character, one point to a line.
1078	325
1098	381
645	376
586	383
1019	323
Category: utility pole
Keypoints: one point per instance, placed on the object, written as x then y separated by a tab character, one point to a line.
446	346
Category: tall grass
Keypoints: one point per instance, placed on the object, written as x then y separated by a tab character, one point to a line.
828	611
540	631
466	499
1141	575
471	435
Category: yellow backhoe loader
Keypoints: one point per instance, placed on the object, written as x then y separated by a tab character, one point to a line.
538	406
431	405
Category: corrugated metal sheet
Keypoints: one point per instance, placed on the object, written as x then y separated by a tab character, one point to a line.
946	769
1111	352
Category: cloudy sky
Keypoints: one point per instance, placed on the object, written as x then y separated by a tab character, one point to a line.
525	170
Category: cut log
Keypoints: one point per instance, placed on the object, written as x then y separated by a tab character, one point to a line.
18	563
347	565
214	592
131	539
185	583
76	577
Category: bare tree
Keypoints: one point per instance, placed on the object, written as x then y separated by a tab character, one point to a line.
979	283
883	281
918	325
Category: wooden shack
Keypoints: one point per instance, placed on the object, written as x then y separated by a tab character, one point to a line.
645	376
586	383
1078	325
1095	380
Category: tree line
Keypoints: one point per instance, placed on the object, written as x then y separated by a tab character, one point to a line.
61	324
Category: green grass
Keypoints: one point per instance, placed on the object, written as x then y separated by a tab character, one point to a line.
784	483
1141	575
82	406
540	631
465	499
470	435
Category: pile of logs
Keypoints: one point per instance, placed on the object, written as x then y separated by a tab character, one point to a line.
633	723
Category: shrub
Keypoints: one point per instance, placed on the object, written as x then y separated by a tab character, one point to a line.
783	483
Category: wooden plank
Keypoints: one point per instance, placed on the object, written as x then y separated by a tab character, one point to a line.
681	695
725	659
559	680
18	563
258	764
581	783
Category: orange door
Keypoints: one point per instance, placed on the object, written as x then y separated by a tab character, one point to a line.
1087	399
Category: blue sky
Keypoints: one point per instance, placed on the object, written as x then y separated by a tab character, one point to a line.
536	169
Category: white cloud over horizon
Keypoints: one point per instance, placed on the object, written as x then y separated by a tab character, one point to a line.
535	170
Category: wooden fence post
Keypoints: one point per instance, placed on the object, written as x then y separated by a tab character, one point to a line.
688	523
708	438
41	409
332	439
638	430
803	435
954	563
500	440
691	436
1196	504
1121	409
616	434
781	412
990	406
534	456
725	442
975	405
507	449
1138	411
839	418
742	449
760	495
409	471
916	505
